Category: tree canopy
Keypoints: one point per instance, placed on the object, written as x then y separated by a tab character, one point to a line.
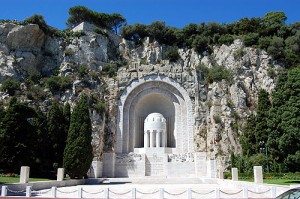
277	124
80	14
18	135
78	154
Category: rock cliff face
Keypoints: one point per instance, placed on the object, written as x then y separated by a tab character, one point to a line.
220	108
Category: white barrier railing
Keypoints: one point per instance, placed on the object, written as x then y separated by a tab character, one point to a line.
160	193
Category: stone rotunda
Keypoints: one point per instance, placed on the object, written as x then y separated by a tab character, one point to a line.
155	133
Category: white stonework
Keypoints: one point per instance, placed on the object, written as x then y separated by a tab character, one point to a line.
96	169
60	174
24	174
235	175
258	174
155	94
155	133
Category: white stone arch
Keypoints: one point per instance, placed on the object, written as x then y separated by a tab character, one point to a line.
171	90
133	106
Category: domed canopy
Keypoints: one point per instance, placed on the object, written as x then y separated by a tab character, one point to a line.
155	121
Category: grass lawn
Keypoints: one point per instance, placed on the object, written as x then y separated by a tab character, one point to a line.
281	181
17	179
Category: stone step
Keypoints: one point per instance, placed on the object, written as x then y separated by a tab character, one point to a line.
160	180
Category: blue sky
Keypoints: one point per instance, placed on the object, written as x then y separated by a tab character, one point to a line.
176	13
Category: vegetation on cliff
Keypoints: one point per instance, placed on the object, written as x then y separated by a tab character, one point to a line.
269	33
270	136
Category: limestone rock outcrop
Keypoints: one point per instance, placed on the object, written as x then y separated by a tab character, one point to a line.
220	108
29	37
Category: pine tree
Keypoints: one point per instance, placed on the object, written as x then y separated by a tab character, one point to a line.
78	153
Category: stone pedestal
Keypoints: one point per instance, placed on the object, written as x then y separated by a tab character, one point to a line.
235	175
109	165
200	164
211	169
221	174
96	169
60	174
258	174
24	174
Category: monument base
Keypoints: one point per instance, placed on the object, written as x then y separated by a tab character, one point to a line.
154	162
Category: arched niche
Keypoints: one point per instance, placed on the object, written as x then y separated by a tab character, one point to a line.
154	94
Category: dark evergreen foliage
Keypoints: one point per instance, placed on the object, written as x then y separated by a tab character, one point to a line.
277	125
57	134
172	54
10	86
58	83
2	114
258	32
78	153
42	145
18	137
80	14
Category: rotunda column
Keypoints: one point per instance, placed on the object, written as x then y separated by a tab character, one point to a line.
162	133
152	139
157	139
146	139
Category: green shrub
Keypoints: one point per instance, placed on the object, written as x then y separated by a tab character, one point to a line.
276	48
251	39
172	54
203	71
218	73
200	44
235	115
227	175
40	21
143	61
33	74
69	52
82	70
100	107
110	69
100	32
238	54
271	72
264	42
226	39
58	83
217	119
10	86
36	92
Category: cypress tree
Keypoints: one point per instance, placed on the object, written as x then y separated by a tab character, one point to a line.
57	134
284	121
67	117
42	145
78	153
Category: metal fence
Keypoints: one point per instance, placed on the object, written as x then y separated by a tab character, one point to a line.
133	193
